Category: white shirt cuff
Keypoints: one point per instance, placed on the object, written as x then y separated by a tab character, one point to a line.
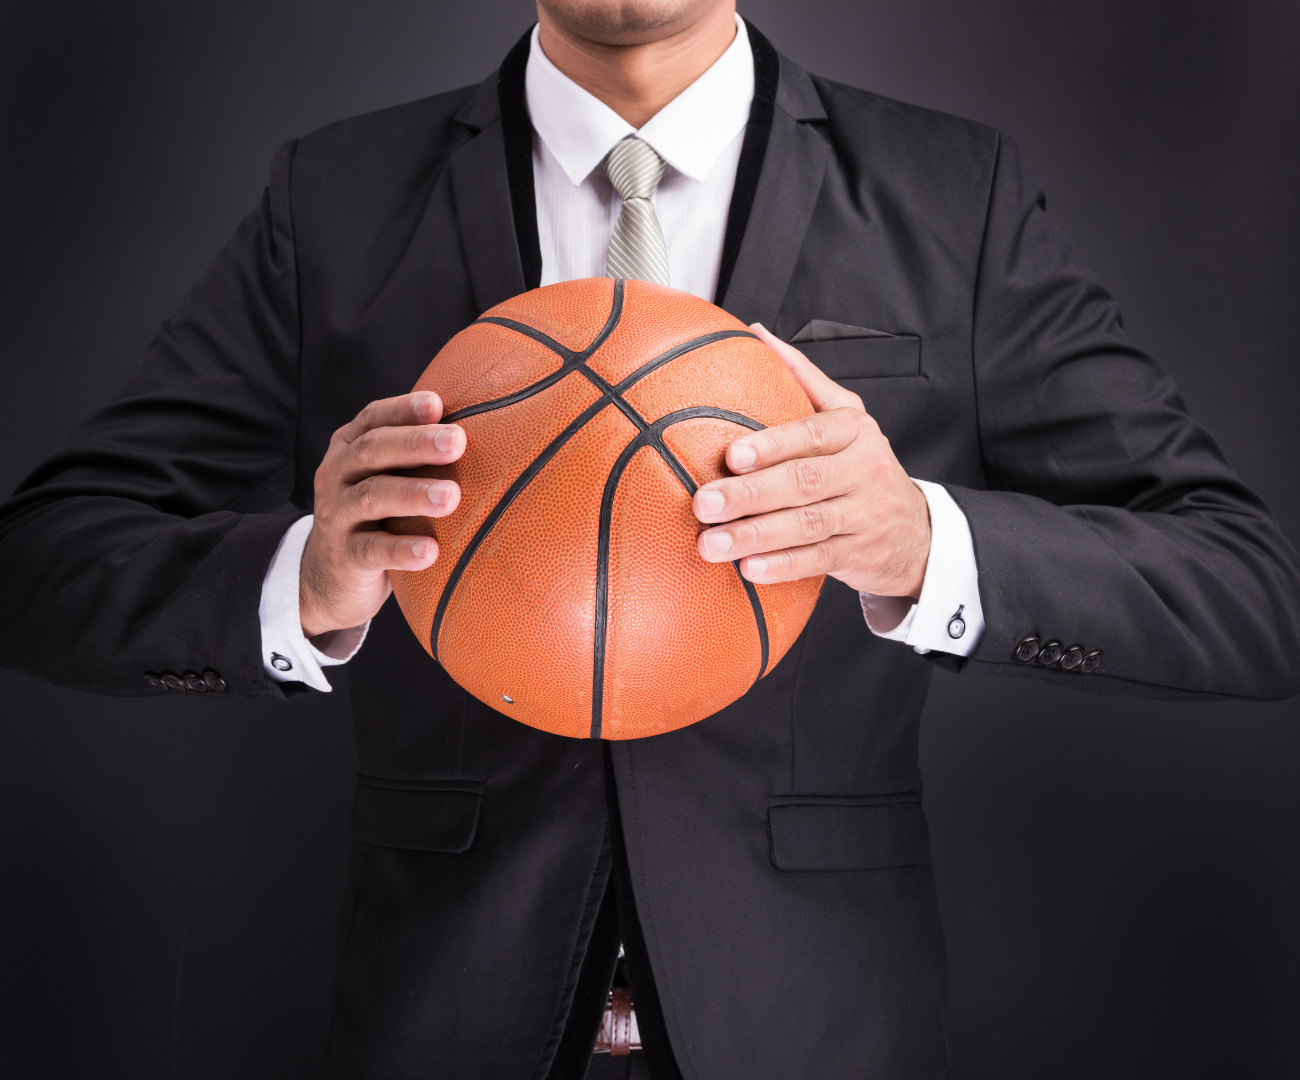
287	655
948	617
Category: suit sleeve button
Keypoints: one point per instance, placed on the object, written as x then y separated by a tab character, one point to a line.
214	681
1091	662
1050	653
1072	658
154	680
172	681
194	681
1027	649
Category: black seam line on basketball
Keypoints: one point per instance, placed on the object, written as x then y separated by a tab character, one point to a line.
578	360
676	351
624	406
503	504
570	358
651	437
760	619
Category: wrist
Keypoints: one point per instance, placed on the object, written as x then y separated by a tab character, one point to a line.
920	556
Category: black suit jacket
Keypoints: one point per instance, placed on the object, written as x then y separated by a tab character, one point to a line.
770	863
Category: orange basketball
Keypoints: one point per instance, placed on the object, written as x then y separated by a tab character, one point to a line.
568	592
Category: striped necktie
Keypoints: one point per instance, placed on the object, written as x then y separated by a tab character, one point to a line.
636	248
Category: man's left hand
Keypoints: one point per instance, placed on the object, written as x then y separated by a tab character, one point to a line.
821	495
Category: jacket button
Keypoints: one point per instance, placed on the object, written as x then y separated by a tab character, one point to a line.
194	681
1072	657
154	680
1050	653
1027	649
1091	662
215	682
172	681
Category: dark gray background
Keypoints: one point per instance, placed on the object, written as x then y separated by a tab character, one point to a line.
1120	880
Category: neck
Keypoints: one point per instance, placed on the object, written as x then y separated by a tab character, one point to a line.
636	81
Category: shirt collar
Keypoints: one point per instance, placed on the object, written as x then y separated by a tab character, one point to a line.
690	132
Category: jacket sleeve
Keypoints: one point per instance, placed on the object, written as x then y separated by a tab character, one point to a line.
1111	519
134	549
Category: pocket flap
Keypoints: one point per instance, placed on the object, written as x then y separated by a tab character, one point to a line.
866	357
831	833
419	815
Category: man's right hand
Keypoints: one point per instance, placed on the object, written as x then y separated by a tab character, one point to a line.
344	578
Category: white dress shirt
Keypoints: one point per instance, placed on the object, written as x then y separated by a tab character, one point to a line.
699	134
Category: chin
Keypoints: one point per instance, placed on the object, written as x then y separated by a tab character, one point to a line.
626	22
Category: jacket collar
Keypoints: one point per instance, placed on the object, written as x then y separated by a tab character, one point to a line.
778	180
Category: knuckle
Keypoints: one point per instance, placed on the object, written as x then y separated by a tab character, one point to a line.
413	439
366	449
814	431
362	547
755	532
365	498
824	555
808	479
812	521
865	423
751	488
774	441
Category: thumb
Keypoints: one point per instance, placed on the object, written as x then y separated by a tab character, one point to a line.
824	393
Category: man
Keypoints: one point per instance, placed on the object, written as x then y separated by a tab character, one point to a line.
766	870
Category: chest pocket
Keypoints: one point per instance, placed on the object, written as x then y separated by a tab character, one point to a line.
857	352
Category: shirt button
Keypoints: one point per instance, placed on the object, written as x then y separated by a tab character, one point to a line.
194	681
1050	653
215	682
1091	662
173	681
1072	657
281	663
1027	649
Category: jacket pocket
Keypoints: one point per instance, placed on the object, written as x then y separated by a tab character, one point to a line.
875	832
875	357
421	815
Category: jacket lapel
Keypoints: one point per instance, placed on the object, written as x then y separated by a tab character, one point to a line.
492	183
789	183
481	186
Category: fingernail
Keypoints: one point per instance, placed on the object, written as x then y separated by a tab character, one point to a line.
426	407
710	501
420	549
445	440
756	566
717	541
743	455
439	494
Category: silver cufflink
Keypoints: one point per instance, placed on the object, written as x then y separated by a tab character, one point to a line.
957	625
281	663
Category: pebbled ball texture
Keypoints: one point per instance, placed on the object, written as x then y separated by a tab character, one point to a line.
568	592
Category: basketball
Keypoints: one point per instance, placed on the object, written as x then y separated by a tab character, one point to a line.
568	592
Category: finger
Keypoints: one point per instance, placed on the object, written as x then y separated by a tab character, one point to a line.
790	483
377	498
386	449
793	564
809	436
423	407
374	550
792	528
823	391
